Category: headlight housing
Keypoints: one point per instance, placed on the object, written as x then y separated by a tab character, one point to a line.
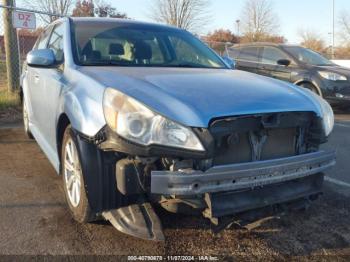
327	113
328	116
332	76
135	122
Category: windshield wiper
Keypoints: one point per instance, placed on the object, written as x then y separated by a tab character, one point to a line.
186	65
118	63
106	63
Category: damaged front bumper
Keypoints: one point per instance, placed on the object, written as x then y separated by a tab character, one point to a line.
240	176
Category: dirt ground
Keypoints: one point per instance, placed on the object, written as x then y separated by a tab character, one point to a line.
34	220
11	116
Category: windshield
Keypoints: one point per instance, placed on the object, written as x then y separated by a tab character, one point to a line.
308	56
119	44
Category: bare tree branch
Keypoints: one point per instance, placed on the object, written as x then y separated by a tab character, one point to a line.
312	41
258	19
344	22
191	15
61	7
104	9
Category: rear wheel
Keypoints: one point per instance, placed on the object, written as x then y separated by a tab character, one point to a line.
26	120
73	180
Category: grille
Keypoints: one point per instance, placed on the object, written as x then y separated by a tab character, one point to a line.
238	148
263	137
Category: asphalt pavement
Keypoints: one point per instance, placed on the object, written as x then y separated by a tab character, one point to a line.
340	141
34	219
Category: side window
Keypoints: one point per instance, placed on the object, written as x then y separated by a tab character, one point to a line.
271	55
250	54
157	55
56	42
186	53
44	37
233	52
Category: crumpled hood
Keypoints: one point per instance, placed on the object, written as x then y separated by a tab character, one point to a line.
193	97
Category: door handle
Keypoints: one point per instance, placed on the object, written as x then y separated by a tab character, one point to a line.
36	78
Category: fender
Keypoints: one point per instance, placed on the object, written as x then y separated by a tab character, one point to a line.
99	169
84	109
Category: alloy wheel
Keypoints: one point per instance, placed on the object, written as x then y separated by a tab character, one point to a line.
25	117
72	173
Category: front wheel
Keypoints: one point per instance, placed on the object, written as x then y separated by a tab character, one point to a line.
311	87
73	180
26	120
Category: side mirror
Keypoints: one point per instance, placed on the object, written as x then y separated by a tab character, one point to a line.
41	58
284	62
230	62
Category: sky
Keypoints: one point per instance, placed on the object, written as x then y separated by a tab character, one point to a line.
309	15
312	15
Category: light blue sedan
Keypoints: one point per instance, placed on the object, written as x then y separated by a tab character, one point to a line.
134	115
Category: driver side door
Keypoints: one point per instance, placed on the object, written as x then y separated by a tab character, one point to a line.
35	92
268	65
53	81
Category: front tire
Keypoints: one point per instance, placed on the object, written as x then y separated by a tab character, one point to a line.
73	179
26	120
311	87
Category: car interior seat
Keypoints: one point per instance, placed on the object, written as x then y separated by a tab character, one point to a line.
89	54
142	52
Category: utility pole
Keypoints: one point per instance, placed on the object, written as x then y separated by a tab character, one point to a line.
238	25
330	46
11	49
333	41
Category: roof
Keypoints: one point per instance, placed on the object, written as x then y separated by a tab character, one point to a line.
264	44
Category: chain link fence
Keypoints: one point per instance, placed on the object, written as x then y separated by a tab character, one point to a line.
15	44
3	76
11	51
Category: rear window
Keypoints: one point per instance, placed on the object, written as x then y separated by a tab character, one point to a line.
250	54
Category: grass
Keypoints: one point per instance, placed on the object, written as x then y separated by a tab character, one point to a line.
8	100
2	74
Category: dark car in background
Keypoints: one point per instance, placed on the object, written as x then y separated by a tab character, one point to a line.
297	65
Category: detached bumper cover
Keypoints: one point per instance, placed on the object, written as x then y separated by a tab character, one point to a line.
240	176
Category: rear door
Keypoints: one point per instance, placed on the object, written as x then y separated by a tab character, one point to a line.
268	65
248	59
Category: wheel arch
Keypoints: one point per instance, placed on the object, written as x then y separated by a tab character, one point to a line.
62	123
305	81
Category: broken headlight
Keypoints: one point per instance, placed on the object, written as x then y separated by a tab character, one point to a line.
327	113
328	116
135	122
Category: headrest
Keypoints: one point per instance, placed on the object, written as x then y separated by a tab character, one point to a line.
143	51
95	55
116	49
